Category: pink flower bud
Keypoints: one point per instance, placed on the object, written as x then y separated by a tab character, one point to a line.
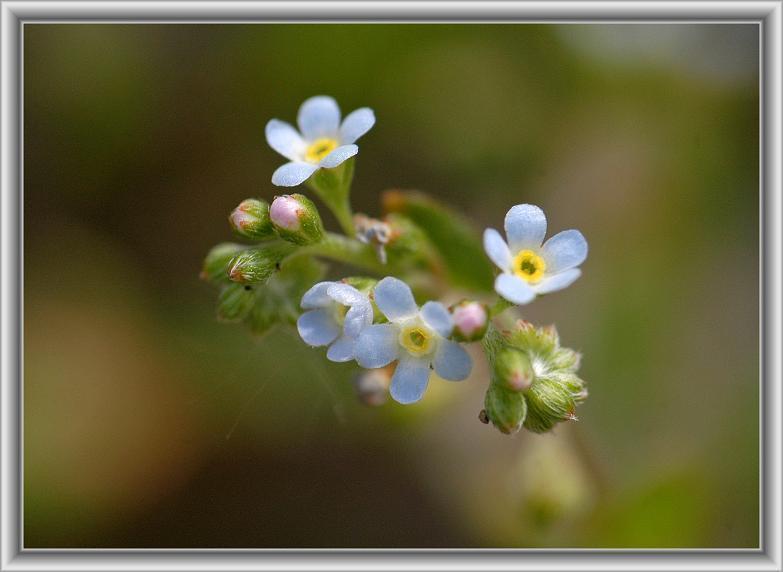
286	212
296	219
251	220
240	219
470	320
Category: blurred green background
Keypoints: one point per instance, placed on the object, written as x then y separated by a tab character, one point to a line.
149	424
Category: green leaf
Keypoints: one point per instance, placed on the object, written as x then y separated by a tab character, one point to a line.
410	248
234	302
277	301
452	235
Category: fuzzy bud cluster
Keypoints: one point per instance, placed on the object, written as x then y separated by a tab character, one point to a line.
534	382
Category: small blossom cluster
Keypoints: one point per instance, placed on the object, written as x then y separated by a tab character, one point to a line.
377	323
418	339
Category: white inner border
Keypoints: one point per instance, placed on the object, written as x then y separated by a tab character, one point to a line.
15	13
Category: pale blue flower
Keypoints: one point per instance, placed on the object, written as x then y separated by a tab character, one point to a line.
417	338
528	267
321	142
337	315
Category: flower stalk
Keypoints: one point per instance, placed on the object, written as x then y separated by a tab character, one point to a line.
339	248
333	187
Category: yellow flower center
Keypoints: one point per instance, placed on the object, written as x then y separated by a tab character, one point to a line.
529	266
417	339
319	149
339	312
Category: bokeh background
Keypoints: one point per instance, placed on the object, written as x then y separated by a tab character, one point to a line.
149	424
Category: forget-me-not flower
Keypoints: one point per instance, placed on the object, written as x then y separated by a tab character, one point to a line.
529	267
321	142
337	314
417	338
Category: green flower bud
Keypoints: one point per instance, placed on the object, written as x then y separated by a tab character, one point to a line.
256	265
530	361
296	219
549	402
513	369
506	409
235	302
217	261
471	320
251	220
572	383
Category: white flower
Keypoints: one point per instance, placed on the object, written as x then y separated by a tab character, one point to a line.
334	309
416	338
528	267
323	142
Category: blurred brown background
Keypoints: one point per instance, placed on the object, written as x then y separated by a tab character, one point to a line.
149	424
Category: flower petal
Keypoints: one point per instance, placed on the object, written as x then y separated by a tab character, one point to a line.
339	155
356	124
438	318
319	116
514	289
318	327
557	281
565	250
377	346
292	174
497	249
452	362
346	294
395	299
525	227
410	380
317	296
357	318
342	349
284	139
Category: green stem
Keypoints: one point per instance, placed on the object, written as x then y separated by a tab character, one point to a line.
342	212
333	187
500	306
342	249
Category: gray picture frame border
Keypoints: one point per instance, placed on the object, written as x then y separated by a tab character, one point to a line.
15	15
